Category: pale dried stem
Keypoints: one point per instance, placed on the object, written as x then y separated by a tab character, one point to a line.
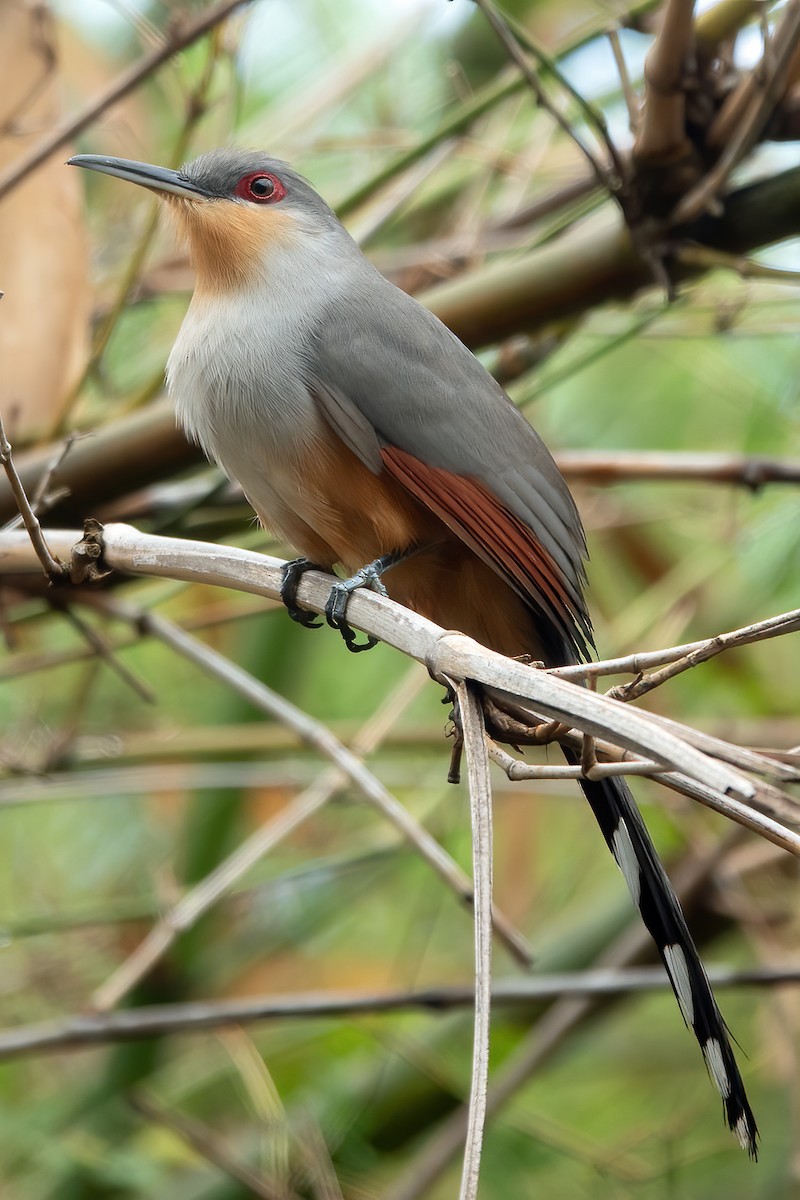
762	823
444	653
536	1048
662	128
773	627
631	99
635	664
480	799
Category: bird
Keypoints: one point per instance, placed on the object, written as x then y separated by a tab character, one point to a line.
368	436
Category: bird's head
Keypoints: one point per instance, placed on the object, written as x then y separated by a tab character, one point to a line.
237	208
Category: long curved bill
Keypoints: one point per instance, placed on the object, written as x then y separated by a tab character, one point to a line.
157	179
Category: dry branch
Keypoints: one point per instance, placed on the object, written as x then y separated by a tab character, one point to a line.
620	466
53	569
450	655
446	654
92	1029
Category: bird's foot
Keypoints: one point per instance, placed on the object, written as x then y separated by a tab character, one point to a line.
336	608
291	575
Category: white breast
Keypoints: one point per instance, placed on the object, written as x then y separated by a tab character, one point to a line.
236	375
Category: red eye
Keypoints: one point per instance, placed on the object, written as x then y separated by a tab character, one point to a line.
261	188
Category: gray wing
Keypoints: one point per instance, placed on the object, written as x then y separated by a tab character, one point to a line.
387	372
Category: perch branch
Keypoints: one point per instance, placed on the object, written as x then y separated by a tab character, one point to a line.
444	653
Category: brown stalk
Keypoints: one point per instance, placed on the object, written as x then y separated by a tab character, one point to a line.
661	137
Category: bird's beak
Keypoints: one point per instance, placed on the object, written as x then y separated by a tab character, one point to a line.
157	179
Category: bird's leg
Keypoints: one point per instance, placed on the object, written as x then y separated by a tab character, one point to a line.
369	577
291	574
457	733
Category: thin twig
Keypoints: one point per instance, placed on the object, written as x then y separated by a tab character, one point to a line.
707	259
348	767
593	115
631	99
537	1047
181	35
105	651
480	799
774	627
195	1016
53	569
208	1145
42	498
635	664
515	53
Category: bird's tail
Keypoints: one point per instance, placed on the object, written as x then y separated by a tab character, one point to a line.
625	832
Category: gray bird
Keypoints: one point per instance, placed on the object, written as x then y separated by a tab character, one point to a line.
362	430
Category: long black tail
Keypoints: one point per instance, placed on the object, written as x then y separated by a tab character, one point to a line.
627	837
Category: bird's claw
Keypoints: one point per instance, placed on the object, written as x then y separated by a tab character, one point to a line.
291	574
336	607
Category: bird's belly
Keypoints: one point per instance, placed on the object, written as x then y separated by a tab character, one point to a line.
300	478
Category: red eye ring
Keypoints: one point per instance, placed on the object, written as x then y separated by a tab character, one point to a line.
260	187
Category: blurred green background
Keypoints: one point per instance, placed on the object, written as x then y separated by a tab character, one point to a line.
112	806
